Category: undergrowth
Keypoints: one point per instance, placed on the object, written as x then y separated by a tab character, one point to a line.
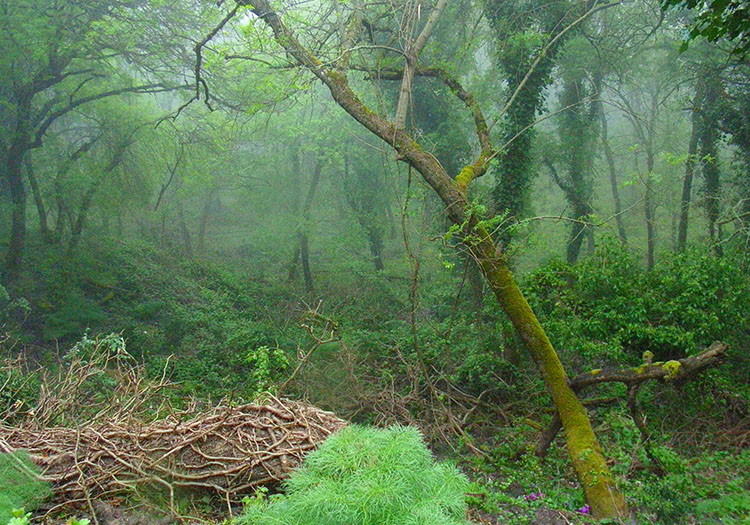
20	486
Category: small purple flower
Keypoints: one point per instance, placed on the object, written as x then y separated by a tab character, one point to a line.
584	510
534	496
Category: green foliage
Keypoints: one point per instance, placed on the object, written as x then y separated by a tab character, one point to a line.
729	508
368	476
717	19
162	305
608	309
711	487
10	305
698	487
19	486
20	517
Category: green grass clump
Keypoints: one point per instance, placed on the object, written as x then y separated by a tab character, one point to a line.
365	476
19	485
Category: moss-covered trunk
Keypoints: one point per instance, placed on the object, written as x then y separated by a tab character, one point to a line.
590	465
598	484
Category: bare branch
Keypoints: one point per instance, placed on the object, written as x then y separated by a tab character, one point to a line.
412	56
52	117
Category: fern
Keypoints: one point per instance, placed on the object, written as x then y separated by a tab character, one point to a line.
363	476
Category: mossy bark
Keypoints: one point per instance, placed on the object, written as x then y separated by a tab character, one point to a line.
598	484
590	465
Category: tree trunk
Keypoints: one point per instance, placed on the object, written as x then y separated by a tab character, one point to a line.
581	209
600	489
14	257
187	242
590	244
687	183
650	194
610	156
40	208
292	269
708	142
577	128
363	192
295	202
648	204
598	484
19	146
575	240
304	227
392	231
83	211
375	238
204	220
650	229
304	251
88	197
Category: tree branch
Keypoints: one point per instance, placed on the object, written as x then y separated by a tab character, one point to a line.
408	149
667	371
480	122
633	378
410	64
47	122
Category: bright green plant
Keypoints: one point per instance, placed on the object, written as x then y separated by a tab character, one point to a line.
363	476
20	517
20	486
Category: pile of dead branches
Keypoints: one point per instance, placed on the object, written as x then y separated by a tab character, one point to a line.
226	451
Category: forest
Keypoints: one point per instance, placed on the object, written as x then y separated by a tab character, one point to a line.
364	262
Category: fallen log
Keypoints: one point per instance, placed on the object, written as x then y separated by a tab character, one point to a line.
228	451
675	370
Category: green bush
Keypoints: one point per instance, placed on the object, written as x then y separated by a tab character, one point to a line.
19	485
608	309
363	476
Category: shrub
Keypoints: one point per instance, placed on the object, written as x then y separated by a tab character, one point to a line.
365	476
607	309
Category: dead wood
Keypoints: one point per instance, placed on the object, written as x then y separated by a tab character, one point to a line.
228	451
677	370
94	443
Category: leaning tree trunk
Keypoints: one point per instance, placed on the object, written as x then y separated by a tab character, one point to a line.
590	465
585	453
